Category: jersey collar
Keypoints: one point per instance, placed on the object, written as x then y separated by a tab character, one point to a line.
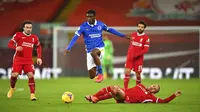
95	23
140	34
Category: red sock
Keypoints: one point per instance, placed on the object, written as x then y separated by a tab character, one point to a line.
13	81
126	81
105	96
103	91
31	83
138	80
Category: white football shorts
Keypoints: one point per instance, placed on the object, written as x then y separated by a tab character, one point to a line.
90	60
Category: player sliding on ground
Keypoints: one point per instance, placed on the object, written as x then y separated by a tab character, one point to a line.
136	94
23	43
92	33
139	45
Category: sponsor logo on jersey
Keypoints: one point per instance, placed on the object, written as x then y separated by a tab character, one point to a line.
95	35
136	43
26	44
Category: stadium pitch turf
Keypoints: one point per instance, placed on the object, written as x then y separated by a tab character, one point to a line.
49	94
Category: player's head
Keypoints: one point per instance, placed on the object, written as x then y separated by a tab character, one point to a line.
90	15
27	27
154	88
141	26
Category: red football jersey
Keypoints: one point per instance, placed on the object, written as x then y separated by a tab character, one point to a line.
27	42
138	44
139	94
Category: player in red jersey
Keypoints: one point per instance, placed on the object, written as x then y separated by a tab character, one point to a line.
136	94
139	45
23	43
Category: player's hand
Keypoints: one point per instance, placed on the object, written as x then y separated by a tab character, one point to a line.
128	37
39	61
66	52
19	48
178	93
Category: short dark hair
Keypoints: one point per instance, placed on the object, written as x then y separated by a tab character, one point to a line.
142	22
158	89
91	11
23	24
26	22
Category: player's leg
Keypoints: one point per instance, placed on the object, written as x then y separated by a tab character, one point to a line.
103	94
128	68
96	54
138	76
118	94
138	69
29	70
16	70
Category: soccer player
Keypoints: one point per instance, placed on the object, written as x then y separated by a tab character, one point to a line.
107	62
23	43
92	33
136	94
139	45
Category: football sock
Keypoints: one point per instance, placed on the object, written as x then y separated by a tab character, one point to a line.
13	81
103	91
99	69
105	96
31	83
138	80
126	81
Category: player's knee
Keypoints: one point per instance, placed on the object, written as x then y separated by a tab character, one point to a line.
127	71
92	76
93	54
30	75
137	74
15	74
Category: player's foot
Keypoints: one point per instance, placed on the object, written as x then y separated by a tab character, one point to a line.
99	78
88	97
32	97
10	92
94	99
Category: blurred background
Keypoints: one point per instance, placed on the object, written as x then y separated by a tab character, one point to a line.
173	28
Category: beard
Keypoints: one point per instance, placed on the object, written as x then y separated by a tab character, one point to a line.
140	31
91	21
27	33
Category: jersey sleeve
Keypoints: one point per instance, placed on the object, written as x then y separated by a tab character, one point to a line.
159	100
15	37
79	31
147	42
37	42
105	27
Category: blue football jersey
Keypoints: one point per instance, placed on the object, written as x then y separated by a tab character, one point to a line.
92	35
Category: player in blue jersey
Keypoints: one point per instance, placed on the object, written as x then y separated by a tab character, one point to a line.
92	33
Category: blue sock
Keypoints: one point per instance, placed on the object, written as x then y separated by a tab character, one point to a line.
99	69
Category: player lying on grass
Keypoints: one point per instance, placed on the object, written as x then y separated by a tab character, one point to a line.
136	94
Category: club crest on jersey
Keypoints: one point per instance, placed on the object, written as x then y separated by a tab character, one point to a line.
99	27
23	37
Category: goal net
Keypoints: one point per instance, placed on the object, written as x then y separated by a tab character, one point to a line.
174	52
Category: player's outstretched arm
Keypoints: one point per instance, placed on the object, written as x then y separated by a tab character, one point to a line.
71	44
167	100
115	32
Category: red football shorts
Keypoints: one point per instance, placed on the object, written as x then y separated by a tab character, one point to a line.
134	63
25	67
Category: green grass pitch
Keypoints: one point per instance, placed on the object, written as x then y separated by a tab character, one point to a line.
49	94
